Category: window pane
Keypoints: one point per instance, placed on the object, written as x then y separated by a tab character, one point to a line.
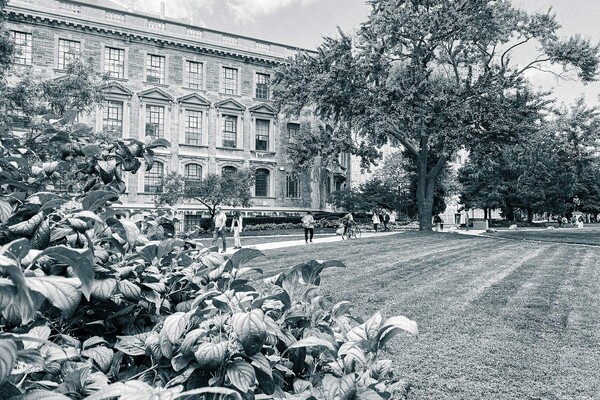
23	47
114	62
193	171
230	80
262	134
229	131
193	72
153	178
261	183
228	170
113	117
155	121
262	86
292	187
293	131
68	51
192	221
155	69
193	127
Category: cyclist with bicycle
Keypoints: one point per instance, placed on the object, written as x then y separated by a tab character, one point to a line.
348	221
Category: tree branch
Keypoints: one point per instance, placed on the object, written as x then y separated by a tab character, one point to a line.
411	147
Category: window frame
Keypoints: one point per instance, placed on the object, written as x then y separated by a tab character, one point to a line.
152	76
62	61
198	83
154	180
267	183
107	121
27	55
230	86
158	133
262	90
109	63
295	184
231	133
189	130
259	136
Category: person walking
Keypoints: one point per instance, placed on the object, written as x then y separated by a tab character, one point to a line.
375	220
308	223
386	221
236	228
220	220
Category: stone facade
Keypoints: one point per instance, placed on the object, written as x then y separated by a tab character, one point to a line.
201	89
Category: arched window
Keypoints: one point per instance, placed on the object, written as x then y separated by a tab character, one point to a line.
228	169
153	178
261	183
193	172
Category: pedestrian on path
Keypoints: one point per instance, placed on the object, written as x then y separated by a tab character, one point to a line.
236	227
308	223
386	221
376	221
219	232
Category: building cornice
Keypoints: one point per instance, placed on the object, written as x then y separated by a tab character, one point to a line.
53	17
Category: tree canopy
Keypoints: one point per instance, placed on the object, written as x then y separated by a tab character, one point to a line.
431	76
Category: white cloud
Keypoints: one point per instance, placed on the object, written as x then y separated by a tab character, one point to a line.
242	11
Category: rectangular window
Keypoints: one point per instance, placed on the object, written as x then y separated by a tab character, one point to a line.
113	117
193	72
192	222
155	121
293	131
193	127
155	69
153	178
68	51
229	131
229	80
262	86
291	187
262	134
114	62
193	172
23	47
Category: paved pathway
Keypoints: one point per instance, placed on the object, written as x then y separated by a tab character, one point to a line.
316	241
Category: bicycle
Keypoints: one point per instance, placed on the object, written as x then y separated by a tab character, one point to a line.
353	232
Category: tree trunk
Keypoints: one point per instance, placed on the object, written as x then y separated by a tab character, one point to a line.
426	184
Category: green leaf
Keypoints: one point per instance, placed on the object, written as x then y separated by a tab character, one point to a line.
6	211
63	293
250	329
92	150
97	199
190	340
102	289
313	341
241	375
210	356
223	392
180	361
130	291
373	324
244	255
393	326
41	395
27	228
93	341
81	260
8	358
101	355
131	345
41	237
160	142
174	326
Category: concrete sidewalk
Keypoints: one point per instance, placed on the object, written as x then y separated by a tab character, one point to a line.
316	241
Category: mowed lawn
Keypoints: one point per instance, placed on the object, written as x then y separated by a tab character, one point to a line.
498	319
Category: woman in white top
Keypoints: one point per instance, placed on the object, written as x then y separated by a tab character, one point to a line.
236	227
308	223
375	220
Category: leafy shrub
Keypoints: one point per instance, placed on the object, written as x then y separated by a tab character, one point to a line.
96	306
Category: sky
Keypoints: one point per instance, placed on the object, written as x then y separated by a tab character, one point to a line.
303	23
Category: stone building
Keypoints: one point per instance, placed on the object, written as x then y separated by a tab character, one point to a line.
205	91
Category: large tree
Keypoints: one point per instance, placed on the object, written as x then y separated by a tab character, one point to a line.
228	189
432	76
